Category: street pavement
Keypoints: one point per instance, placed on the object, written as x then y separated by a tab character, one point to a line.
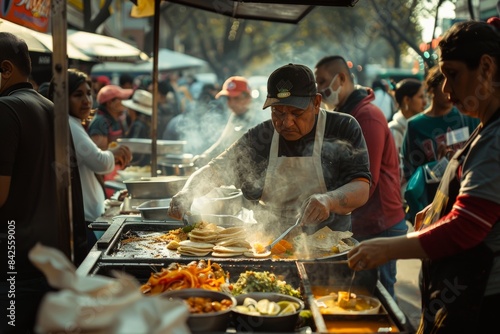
407	289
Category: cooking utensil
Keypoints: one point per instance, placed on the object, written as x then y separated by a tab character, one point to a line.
350	285
284	234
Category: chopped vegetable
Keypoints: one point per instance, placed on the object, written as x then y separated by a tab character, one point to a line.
254	281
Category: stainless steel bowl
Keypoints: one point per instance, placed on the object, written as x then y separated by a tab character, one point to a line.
266	323
156	209
155	187
205	322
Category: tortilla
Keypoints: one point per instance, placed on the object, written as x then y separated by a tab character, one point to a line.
254	254
234	243
218	254
231	231
222	249
192	252
196	245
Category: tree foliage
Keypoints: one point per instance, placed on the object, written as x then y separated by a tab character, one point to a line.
373	31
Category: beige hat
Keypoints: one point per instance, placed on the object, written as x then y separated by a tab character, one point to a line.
141	101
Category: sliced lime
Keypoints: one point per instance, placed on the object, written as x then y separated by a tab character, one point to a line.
263	306
289	309
273	308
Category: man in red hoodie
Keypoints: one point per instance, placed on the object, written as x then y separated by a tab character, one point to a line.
383	214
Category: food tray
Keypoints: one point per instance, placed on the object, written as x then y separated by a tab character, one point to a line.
143	145
293	273
155	187
142	271
322	278
155	209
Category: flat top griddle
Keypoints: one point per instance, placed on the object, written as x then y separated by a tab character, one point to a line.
116	244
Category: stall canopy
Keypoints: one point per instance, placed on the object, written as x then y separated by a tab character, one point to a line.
40	43
168	60
104	48
290	11
172	60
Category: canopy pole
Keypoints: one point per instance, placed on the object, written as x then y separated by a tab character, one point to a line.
154	116
61	129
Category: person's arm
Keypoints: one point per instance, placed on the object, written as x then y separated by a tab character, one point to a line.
342	200
100	141
372	253
4	189
98	132
198	184
464	227
88	153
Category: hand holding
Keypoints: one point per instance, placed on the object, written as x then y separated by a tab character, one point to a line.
368	254
316	209
180	204
122	154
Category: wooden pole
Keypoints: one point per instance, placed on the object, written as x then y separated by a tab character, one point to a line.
154	116
61	128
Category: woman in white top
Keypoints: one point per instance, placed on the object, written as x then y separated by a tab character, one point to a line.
90	158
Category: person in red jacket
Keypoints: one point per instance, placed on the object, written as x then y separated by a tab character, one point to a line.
383	214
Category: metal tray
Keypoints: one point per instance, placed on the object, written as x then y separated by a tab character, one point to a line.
143	145
321	278
155	187
142	271
156	209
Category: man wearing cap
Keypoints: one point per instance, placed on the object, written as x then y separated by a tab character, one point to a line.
383	214
303	161
140	109
243	117
106	127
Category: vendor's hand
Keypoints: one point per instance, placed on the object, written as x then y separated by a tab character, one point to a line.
180	204
122	154
368	254
315	209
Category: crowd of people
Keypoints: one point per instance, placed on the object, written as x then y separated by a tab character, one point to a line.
322	150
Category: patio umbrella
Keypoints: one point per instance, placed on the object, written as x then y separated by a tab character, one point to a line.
104	48
40	44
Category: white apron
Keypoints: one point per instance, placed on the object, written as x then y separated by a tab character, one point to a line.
291	180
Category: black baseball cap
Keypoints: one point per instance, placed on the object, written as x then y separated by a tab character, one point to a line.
291	85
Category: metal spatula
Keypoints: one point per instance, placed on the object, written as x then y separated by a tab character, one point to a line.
284	234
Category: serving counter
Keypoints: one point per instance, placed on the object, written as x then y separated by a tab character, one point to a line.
313	278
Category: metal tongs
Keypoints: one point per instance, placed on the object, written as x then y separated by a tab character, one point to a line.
284	234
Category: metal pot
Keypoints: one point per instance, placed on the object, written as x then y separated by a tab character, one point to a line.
177	169
177	164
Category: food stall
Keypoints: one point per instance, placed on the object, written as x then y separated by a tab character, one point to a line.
312	276
138	237
140	248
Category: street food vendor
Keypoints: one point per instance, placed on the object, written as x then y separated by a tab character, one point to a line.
458	234
304	161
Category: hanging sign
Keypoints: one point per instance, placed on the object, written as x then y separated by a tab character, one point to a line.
33	14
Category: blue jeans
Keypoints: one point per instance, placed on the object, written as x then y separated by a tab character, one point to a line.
387	272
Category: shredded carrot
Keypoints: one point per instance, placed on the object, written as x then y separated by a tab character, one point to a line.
185	276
